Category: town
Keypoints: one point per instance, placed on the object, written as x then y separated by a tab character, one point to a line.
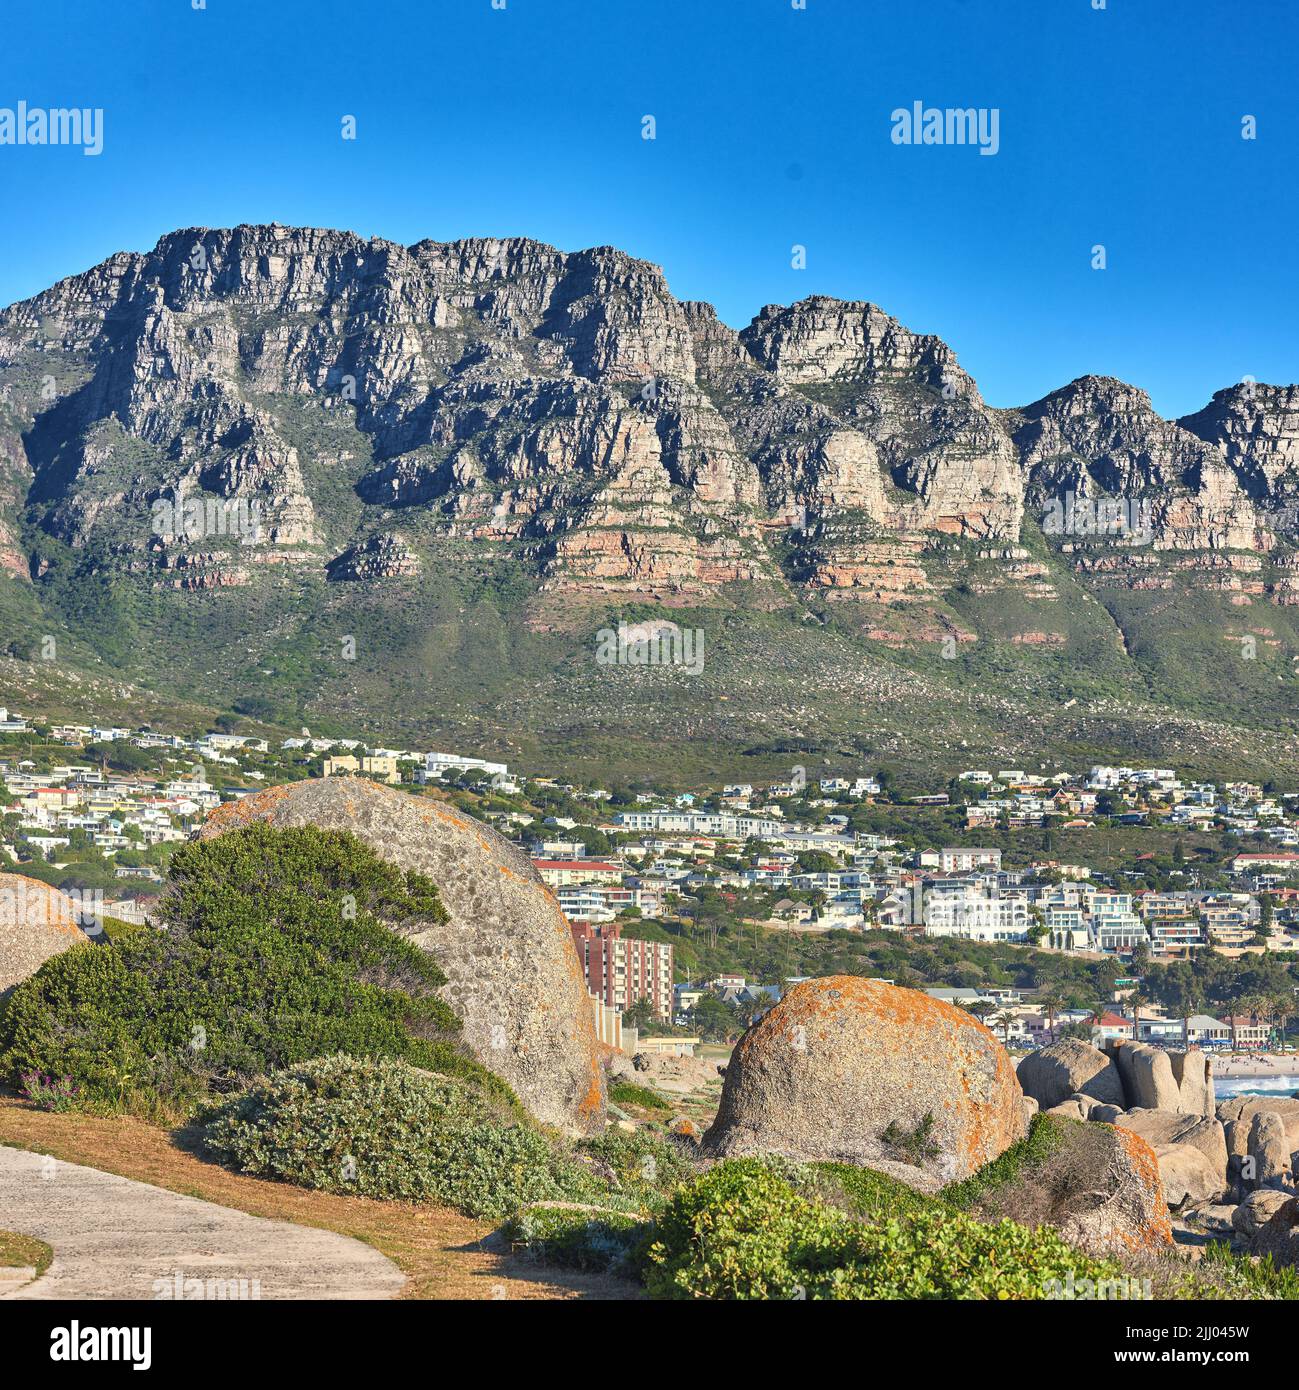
96	810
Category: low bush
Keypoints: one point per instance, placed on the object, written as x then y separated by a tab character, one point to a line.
642	1165
624	1093
864	1193
378	1127
115	929
744	1232
1047	1136
578	1238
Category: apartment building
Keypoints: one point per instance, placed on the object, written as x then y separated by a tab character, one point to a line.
620	971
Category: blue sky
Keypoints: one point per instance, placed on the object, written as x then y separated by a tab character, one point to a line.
1119	127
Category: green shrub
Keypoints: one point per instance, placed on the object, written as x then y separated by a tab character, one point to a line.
278	947
378	1127
1046	1136
744	1232
115	929
607	1241
643	1164
866	1194
624	1093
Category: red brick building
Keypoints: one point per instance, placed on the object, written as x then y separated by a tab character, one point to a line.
619	972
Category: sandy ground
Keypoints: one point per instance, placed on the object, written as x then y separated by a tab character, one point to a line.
1256	1064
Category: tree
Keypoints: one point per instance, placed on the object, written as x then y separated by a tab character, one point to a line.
1283	1010
1135	1002
714	1020
1241	1004
641	1015
1052	1002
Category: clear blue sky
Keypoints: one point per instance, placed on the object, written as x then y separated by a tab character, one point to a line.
1119	126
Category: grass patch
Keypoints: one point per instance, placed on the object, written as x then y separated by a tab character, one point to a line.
18	1251
867	1195
624	1093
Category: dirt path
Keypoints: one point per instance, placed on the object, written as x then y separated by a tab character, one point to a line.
116	1238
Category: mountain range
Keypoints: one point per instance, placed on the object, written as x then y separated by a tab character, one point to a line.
466	459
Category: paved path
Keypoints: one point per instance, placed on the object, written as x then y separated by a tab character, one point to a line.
116	1238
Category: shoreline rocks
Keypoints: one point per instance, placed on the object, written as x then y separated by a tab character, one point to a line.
1069	1067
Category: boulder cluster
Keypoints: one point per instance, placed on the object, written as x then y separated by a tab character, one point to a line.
1227	1167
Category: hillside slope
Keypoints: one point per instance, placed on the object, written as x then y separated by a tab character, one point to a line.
318	479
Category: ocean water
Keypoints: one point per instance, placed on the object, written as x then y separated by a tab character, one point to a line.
1283	1084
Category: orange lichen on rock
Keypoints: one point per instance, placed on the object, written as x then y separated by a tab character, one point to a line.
36	922
841	1060
1157	1230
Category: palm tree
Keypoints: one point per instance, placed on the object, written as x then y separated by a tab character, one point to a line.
1005	1018
1283	1010
1190	1001
981	1008
1052	1001
1135	1001
1240	1005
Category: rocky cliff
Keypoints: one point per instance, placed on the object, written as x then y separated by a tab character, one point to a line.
293	411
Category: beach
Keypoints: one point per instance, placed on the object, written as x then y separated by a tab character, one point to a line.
1240	1064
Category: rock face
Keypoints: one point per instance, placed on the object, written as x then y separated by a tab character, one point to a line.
1126	1210
1244	1108
513	974
1268	1157
1099	1186
36	922
1187	1175
1279	1238
1257	1210
1148	1080
1053	1073
394	418
840	1060
1193	1072
1191	1150
1161	1127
